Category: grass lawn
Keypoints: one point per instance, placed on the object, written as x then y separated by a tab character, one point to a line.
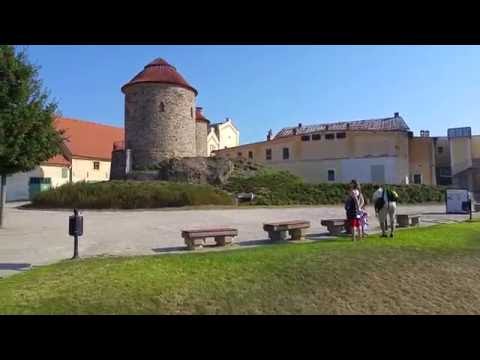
434	270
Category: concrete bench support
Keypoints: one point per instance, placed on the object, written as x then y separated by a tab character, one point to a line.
277	235
334	226
402	220
298	234
415	220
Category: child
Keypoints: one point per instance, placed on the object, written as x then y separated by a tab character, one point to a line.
364	221
353	215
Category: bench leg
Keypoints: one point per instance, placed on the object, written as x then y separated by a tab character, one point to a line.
415	221
223	240
277	235
402	220
334	230
193	244
298	234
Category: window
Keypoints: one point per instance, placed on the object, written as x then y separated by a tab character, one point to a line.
96	165
162	107
64	173
330	136
305	137
417	179
268	154
286	154
440	149
331	175
39	180
239	154
316	137
250	154
191	112
444	171
341	135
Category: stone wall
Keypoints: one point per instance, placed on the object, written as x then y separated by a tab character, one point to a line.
159	123
194	170
201	130
117	168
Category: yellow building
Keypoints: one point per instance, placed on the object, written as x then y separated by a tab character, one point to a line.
86	156
222	135
465	158
371	151
54	172
374	150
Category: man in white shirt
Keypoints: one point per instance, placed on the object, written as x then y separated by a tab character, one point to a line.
388	208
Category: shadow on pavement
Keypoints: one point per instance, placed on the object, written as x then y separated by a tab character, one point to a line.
14	266
255	242
433	213
170	249
323	237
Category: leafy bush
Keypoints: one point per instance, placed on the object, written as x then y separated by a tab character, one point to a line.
130	195
273	187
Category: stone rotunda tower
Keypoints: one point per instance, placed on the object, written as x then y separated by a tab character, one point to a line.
160	115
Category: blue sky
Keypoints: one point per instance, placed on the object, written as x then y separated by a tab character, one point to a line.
263	87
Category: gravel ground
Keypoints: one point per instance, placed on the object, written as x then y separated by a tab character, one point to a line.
37	237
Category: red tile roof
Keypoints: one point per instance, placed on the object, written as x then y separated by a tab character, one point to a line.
85	139
199	116
159	71
395	123
58	160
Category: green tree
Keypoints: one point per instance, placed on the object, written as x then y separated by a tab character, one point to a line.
27	133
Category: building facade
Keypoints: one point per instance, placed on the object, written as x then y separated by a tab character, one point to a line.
222	136
372	151
465	159
86	156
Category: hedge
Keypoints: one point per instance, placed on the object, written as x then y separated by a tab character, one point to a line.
130	195
283	188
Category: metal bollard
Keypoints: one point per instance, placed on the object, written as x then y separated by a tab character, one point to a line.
75	229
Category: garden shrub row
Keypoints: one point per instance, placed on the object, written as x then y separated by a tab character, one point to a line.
130	195
283	188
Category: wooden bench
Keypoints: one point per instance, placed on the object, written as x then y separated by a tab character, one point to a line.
334	226
404	220
277	231
195	239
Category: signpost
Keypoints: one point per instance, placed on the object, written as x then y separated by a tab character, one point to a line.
75	229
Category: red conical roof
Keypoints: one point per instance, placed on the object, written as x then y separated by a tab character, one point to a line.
160	71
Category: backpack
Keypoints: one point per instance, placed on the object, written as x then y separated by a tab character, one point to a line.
379	203
392	195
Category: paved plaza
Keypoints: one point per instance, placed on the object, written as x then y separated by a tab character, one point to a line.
37	237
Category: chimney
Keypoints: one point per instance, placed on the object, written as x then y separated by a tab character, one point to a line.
199	109
227	119
396	115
